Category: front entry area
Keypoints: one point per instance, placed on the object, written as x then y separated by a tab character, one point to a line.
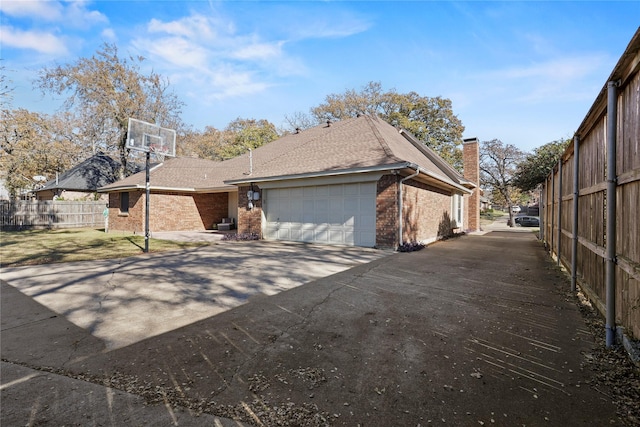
338	214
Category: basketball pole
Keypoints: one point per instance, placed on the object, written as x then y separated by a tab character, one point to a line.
147	204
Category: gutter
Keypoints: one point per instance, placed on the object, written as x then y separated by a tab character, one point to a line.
171	189
400	196
379	168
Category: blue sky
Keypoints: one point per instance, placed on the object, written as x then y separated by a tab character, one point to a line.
522	72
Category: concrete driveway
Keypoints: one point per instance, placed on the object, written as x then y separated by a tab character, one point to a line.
123	301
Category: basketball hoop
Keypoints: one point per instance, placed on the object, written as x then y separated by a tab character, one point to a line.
159	152
150	138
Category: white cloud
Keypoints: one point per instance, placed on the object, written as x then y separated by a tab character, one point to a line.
330	29
259	51
71	13
109	34
191	27
210	51
175	51
38	9
555	79
39	41
77	14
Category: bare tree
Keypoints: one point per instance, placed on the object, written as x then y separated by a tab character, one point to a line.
498	166
106	90
34	144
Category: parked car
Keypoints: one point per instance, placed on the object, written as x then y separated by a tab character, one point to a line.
515	209
528	221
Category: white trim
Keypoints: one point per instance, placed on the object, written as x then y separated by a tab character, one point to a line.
457	211
226	189
326	180
258	179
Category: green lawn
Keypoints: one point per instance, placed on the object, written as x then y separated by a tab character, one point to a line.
19	248
492	215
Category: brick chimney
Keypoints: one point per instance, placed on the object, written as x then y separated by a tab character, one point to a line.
471	162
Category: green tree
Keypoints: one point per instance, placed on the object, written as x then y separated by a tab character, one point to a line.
536	166
202	145
498	164
105	90
245	134
431	120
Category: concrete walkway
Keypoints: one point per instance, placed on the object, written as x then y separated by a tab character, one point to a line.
477	330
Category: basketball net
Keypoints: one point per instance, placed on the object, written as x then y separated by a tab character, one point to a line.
158	152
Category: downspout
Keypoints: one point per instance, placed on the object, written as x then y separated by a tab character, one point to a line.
610	272
542	211
400	242
576	195
552	216
559	211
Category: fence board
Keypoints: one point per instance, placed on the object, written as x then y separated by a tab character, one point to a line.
25	214
592	201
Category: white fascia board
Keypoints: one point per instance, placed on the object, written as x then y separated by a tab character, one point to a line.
435	158
225	189
120	188
256	180
442	179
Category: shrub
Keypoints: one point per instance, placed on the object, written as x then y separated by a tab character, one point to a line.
410	247
240	237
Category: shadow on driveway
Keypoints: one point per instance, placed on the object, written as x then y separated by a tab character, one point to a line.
478	330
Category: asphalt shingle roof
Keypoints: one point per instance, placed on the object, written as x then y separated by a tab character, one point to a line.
89	175
351	144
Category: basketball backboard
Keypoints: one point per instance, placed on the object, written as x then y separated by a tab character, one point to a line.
148	137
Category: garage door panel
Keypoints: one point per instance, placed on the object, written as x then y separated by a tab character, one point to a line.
335	214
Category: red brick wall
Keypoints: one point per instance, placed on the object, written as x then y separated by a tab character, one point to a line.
249	220
426	212
168	211
387	212
187	212
134	220
471	159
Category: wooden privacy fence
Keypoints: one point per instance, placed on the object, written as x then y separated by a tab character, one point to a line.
25	214
591	200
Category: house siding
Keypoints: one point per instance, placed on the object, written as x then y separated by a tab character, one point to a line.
187	212
133	221
426	212
387	212
168	212
471	159
249	220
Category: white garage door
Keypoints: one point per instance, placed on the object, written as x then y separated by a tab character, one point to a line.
343	214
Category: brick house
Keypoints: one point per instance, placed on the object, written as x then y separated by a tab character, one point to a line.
356	182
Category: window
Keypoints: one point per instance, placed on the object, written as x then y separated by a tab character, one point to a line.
456	210
124	203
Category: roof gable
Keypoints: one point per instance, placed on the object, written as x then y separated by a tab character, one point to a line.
351	144
89	175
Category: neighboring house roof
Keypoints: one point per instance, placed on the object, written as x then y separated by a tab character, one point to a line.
89	175
354	145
